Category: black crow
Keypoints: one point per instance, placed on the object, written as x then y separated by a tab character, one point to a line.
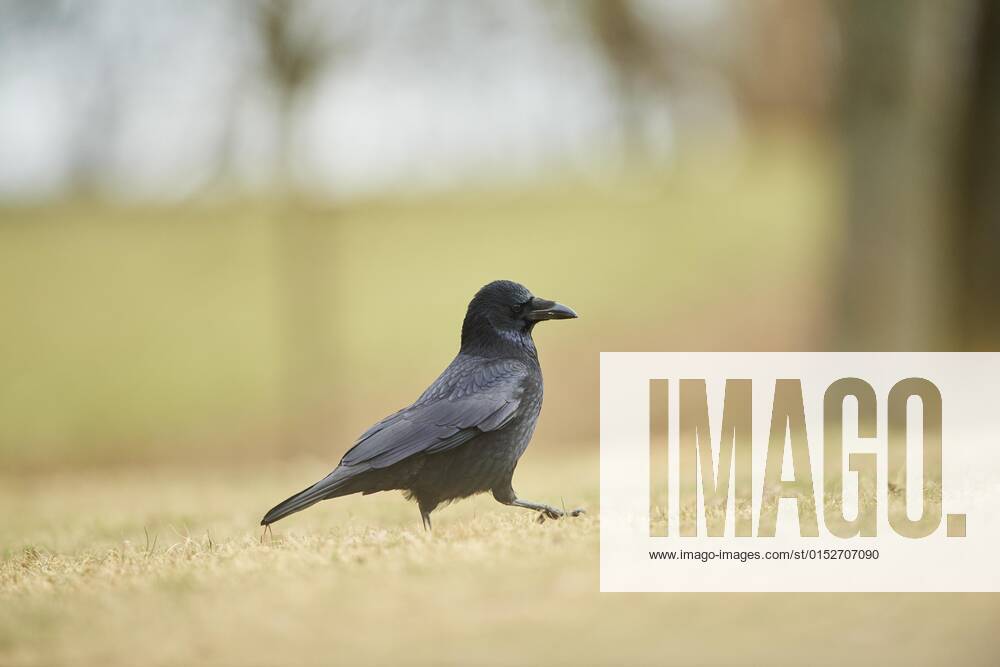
466	432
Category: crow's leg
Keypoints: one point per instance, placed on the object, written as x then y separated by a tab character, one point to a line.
425	512
507	496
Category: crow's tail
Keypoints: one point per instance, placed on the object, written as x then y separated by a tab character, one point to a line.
329	487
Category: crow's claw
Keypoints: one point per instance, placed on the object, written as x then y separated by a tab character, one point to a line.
553	513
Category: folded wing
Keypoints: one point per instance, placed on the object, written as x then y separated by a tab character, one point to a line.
470	398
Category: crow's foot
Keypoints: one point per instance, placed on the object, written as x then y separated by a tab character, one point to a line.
547	512
544	511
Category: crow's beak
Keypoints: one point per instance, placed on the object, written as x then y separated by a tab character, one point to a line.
542	309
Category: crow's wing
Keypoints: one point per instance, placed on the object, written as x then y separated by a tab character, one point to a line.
472	396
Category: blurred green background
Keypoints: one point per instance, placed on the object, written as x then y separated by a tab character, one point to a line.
246	230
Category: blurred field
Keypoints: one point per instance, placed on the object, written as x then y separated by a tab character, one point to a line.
205	331
81	584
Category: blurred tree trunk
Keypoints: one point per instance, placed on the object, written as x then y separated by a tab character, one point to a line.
978	188
305	245
296	49
904	80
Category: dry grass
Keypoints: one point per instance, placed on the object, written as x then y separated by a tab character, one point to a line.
358	582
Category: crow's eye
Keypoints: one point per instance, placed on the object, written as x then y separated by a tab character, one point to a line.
518	308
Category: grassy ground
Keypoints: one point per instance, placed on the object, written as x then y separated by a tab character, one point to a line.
165	567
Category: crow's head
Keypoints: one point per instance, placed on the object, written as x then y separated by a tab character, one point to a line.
506	311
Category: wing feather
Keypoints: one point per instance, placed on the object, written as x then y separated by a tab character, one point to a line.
470	398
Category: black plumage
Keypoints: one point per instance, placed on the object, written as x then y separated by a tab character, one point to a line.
466	432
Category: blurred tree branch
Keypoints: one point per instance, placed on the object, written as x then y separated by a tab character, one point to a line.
295	51
634	58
